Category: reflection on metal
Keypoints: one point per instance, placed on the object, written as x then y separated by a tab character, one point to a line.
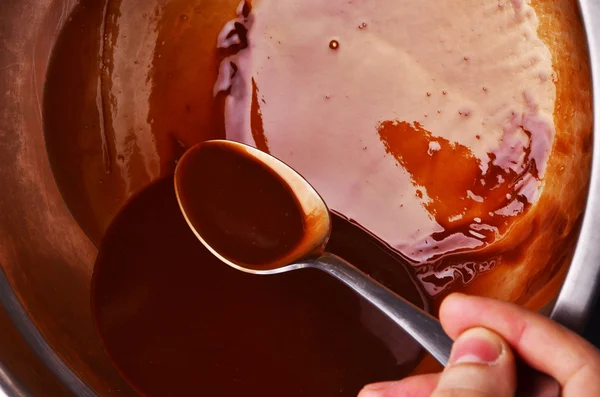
9	385
579	291
38	344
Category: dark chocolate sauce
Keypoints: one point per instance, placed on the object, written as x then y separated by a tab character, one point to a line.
177	321
140	90
240	207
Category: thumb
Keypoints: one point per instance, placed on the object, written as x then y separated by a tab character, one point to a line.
481	365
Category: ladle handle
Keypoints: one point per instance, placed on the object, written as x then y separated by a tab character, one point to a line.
423	327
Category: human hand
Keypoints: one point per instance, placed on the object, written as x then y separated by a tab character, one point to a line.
482	362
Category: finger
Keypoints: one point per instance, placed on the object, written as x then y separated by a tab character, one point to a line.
540	342
415	386
481	365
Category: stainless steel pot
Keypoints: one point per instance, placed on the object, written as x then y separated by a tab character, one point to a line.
45	298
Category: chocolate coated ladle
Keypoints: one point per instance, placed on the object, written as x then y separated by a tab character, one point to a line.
213	218
310	251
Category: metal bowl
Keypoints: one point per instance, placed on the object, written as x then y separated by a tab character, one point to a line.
48	345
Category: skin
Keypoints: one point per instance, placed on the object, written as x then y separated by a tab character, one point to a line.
488	335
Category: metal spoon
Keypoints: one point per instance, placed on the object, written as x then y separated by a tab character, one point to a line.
310	252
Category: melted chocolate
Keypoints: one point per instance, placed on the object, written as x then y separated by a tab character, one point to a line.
454	162
177	321
395	130
241	208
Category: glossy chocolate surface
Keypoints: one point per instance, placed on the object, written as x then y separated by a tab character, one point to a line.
241	208
174	318
131	86
453	150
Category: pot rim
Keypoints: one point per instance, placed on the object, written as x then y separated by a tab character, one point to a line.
579	291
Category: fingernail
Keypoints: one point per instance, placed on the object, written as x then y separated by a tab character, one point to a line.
376	389
476	346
